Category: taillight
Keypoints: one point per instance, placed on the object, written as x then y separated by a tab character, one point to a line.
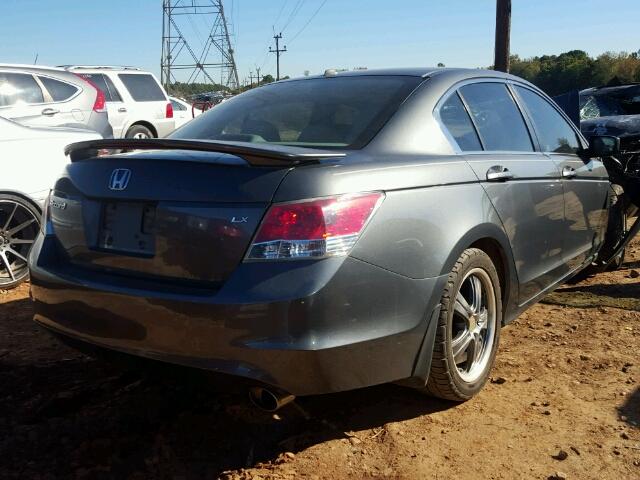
169	113
99	105
324	227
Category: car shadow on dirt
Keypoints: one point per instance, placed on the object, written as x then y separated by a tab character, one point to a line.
614	290
100	420
65	415
629	411
615	295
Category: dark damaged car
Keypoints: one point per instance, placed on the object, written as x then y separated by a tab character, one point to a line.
615	110
327	233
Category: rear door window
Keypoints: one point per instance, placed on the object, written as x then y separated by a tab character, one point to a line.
554	132
59	91
142	87
457	122
497	118
19	88
114	95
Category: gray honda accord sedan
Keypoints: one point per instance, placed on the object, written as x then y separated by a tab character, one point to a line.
326	233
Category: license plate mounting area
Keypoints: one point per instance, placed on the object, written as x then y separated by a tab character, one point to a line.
128	227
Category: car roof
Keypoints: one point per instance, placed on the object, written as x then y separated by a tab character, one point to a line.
18	66
423	72
607	89
117	68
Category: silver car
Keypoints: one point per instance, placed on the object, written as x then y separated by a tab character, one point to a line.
52	97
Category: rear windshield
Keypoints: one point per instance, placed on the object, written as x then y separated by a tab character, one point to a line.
142	87
616	101
334	112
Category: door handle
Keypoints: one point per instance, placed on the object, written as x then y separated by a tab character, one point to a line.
49	112
569	172
498	173
122	110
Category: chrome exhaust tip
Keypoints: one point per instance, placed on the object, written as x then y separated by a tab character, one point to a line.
269	400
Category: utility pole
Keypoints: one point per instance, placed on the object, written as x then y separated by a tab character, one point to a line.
251	77
258	70
503	34
278	51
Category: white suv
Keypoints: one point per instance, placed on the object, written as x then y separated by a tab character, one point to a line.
137	104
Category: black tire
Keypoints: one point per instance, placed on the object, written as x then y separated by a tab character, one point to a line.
617	262
139	131
446	377
616	230
19	226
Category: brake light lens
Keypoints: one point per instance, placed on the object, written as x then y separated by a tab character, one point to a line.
325	227
99	105
169	113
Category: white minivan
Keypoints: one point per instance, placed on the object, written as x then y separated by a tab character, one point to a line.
137	104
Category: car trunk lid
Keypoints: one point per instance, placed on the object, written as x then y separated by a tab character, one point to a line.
185	215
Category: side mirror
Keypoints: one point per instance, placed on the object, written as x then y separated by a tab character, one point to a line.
603	146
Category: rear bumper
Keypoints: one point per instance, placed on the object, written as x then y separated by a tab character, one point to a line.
99	122
303	327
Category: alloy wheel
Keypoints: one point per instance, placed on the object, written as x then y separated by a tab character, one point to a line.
19	227
474	325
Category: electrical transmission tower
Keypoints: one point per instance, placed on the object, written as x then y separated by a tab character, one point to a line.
180	30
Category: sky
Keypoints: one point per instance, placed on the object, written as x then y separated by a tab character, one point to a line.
342	34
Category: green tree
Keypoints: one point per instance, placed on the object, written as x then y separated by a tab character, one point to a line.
575	70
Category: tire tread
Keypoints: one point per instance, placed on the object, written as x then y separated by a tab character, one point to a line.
440	383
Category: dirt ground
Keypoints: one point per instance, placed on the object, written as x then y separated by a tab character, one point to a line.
563	402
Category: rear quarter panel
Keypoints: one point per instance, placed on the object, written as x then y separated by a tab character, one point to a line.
432	203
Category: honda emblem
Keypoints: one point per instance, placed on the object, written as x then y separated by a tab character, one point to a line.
119	179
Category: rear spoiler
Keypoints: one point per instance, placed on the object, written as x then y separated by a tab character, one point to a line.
267	155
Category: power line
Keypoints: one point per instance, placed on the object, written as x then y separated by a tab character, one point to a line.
284	4
234	20
267	47
293	14
308	22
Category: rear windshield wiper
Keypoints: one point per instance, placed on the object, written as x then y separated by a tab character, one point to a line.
263	155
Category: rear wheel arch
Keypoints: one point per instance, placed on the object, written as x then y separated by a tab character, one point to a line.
496	253
144	124
492	240
24	197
